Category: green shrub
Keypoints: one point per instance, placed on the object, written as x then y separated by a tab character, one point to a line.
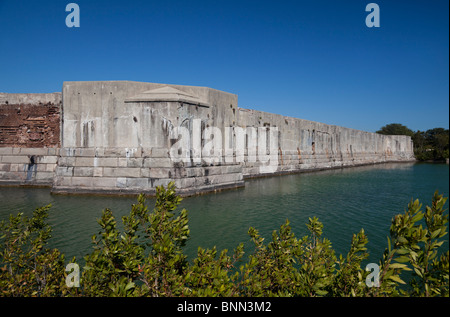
147	258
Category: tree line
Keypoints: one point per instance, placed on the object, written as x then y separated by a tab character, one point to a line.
430	145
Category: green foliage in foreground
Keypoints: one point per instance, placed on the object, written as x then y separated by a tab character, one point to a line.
147	258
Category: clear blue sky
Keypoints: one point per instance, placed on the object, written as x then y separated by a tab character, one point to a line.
314	59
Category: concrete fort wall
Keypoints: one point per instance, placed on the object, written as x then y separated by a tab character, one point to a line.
117	138
29	138
129	137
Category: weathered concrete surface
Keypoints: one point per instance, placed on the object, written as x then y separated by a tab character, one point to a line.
17	99
124	137
117	138
96	114
120	137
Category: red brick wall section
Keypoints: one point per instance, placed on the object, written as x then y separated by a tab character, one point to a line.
30	125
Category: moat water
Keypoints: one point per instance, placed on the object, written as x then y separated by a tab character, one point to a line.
345	200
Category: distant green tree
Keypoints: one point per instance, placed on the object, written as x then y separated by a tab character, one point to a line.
395	129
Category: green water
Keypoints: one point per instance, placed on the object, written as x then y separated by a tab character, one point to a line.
345	200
